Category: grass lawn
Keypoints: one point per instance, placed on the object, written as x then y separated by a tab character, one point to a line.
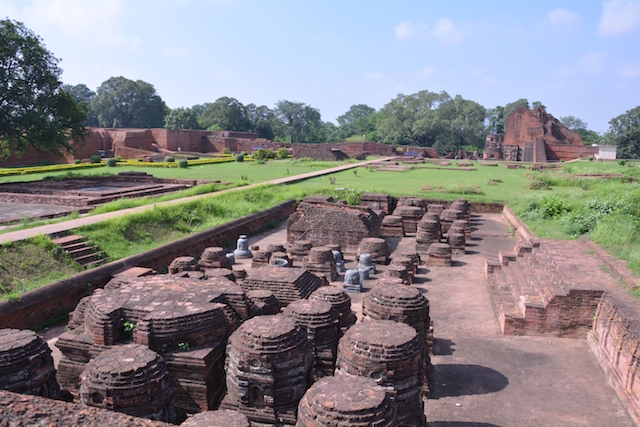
226	172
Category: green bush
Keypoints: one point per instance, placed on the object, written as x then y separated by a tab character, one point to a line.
283	153
95	158
169	159
226	151
590	158
239	158
622	162
140	160
77	162
548	207
351	196
183	164
112	163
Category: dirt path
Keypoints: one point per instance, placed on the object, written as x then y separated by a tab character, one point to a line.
75	223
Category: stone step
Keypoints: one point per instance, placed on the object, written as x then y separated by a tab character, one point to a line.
68	240
529	290
134	194
550	276
81	251
87	259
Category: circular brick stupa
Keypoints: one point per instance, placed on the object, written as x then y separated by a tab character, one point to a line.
264	302
131	379
391	354
346	402
268	366
214	257
340	301
439	255
221	418
447	217
400	272
322	263
375	246
403	304
320	320
26	365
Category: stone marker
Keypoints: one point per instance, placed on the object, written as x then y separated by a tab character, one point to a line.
366	261
352	281
242	248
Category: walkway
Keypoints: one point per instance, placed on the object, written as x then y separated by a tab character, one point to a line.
75	223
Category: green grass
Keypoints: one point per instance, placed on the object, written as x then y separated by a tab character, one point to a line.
32	263
447	183
225	172
135	233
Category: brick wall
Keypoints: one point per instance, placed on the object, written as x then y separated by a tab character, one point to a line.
48	302
615	340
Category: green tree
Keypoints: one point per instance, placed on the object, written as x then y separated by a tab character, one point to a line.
124	103
495	118
302	123
226	114
356	120
579	126
34	110
624	131
265	122
83	95
181	118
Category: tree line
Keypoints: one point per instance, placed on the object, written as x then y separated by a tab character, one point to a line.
37	110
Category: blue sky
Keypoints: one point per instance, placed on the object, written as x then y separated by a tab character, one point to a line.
579	58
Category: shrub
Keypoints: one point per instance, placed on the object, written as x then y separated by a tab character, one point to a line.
183	164
140	160
549	207
283	153
244	154
112	163
239	158
76	162
169	159
577	224
590	158
622	162
351	196
95	158
226	150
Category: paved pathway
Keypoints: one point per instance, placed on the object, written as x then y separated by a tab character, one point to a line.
75	223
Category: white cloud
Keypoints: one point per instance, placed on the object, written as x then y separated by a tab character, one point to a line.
562	16
619	16
447	32
630	70
593	62
96	22
428	71
373	77
406	30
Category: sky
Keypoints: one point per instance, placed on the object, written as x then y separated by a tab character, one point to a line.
579	58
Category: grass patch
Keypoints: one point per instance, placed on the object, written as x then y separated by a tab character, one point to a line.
130	234
31	263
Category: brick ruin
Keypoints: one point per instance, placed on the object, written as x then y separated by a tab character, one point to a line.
392	354
319	152
329	223
327	151
344	401
186	320
535	136
269	365
220	418
90	191
287	284
26	365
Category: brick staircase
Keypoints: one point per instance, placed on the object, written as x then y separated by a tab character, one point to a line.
82	250
534	294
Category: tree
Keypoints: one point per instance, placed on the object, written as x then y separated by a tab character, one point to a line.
181	118
124	103
579	126
225	114
538	104
624	131
265	122
356	120
34	111
495	118
302	122
83	95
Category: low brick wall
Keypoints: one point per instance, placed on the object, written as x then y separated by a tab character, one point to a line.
519	227
615	340
49	302
476	207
